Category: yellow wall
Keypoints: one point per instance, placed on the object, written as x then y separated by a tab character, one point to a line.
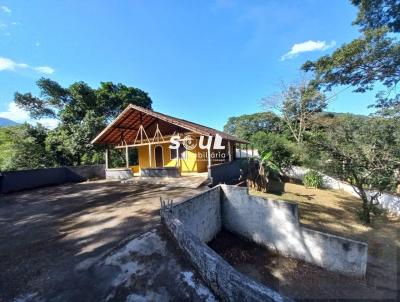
188	164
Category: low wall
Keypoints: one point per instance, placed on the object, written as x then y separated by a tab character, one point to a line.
201	214
225	173
387	201
226	282
275	224
119	173
160	172
14	181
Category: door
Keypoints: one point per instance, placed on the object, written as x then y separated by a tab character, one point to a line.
159	156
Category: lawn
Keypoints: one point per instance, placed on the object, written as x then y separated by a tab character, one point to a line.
336	212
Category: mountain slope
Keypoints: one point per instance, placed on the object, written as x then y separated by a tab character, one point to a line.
4	122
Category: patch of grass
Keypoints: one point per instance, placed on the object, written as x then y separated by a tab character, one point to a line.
335	212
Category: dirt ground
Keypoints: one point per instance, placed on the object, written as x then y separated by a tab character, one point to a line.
335	212
49	235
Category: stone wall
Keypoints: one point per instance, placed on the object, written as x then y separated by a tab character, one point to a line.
387	201
14	181
275	224
201	214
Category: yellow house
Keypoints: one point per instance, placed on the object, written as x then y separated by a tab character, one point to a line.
165	143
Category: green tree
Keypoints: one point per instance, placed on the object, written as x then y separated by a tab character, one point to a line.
364	152
297	104
282	150
27	148
373	58
82	112
246	125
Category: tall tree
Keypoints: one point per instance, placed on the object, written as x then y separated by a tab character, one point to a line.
364	152
371	59
82	112
26	144
246	125
297	104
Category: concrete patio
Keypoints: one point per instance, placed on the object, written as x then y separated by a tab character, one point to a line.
51	236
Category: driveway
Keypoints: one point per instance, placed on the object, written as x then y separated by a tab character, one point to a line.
48	236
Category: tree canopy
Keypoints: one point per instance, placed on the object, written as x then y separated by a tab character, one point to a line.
246	125
371	59
82	112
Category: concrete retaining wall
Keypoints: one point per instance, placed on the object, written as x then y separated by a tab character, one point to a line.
160	172
225	173
118	173
387	201
275	224
226	282
201	214
14	181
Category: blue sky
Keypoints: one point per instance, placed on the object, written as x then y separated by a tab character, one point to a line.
200	60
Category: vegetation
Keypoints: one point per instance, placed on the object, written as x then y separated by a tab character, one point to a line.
313	179
365	151
82	113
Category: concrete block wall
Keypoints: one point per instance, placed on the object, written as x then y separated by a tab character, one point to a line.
387	201
160	172
201	214
118	174
225	172
226	282
275	224
14	181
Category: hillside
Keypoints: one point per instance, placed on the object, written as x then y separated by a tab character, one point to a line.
4	122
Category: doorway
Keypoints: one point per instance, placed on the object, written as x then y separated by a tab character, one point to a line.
159	156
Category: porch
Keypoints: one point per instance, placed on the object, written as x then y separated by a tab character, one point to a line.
164	146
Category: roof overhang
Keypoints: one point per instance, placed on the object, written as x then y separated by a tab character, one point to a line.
126	126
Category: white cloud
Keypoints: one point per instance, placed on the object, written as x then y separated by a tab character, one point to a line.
306	47
5	9
15	113
10	65
19	115
44	69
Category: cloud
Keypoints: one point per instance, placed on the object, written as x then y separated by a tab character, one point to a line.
5	9
19	115
15	113
307	47
44	69
10	65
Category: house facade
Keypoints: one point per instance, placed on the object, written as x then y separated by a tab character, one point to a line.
166	142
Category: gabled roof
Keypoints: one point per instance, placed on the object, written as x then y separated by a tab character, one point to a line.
127	124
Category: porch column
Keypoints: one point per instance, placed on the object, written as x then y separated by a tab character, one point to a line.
209	156
106	157
240	150
247	151
127	156
252	151
150	155
229	151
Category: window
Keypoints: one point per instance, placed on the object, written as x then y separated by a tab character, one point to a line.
181	151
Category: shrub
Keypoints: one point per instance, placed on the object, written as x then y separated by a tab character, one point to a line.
313	179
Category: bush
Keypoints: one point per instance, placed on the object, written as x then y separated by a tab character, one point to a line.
313	179
282	150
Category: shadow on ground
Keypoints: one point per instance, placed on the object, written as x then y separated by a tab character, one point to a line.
47	233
